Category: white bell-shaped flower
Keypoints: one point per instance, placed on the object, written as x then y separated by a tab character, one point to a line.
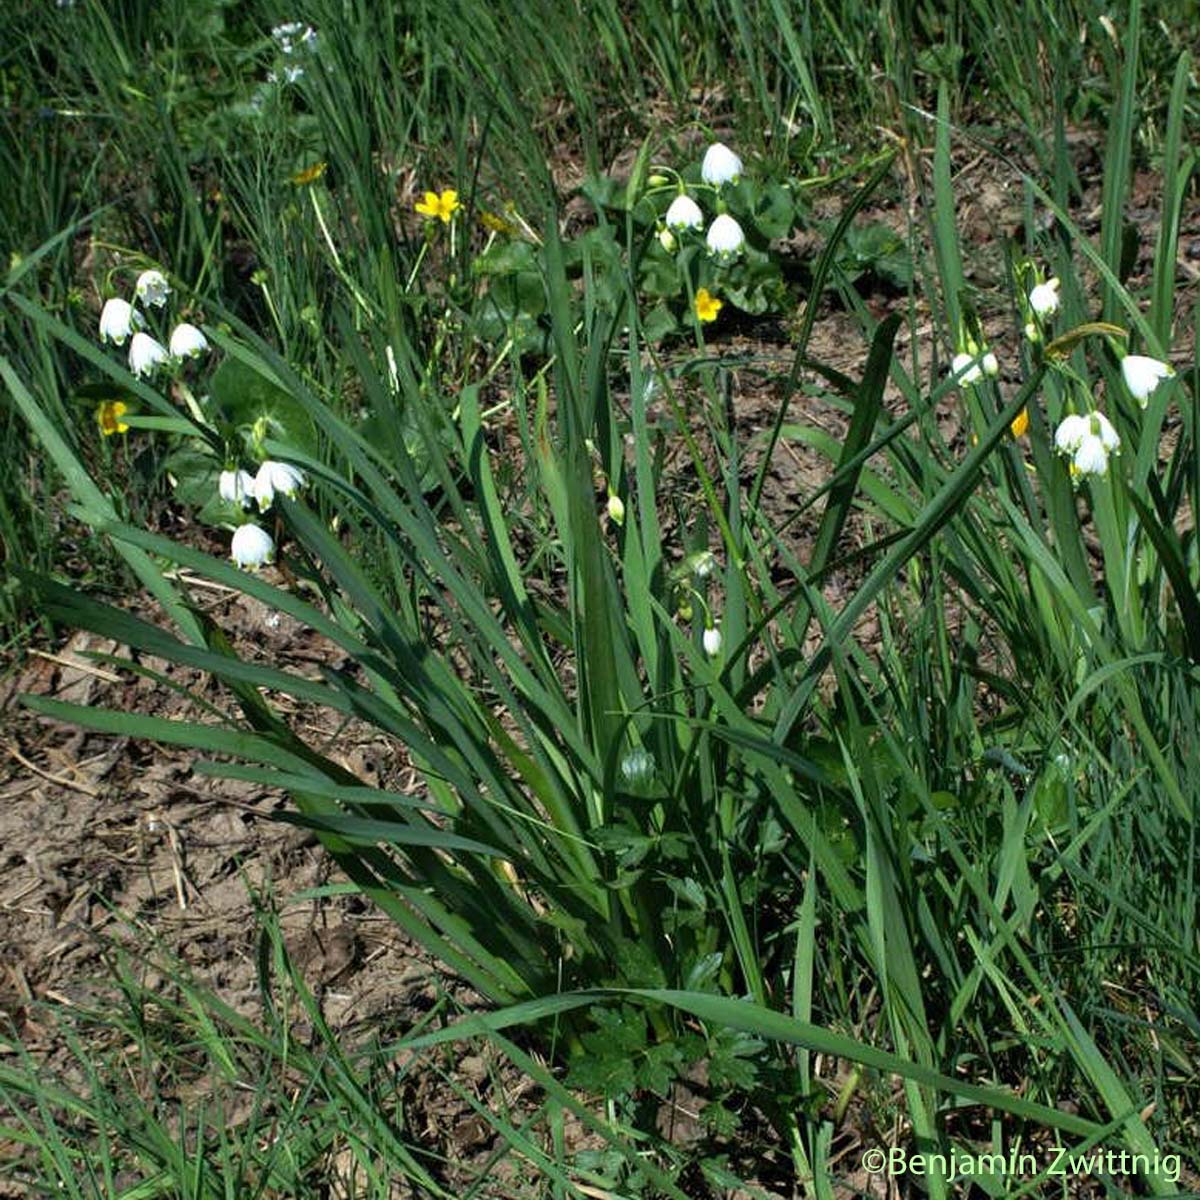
1142	375
1091	457
236	486
187	341
152	288
725	237
1070	433
973	371
146	354
720	165
1043	299
118	319
712	641
684	213
275	477
251	546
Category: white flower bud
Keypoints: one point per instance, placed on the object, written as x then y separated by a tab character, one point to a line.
275	477
251	546
725	237
712	641
152	288
145	354
236	487
1043	299
684	213
720	165
118	319
187	341
1142	375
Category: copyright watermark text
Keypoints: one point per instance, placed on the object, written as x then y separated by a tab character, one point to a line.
1056	1161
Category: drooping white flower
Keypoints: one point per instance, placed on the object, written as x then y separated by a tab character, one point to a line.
1142	375
725	237
684	213
152	288
275	477
1070	433
616	509
712	641
118	319
1091	457
966	362
720	165
187	341
145	354
251	546
704	564
236	486
1043	299
990	366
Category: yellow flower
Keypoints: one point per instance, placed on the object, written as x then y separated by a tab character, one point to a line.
707	305
497	224
1020	423
309	174
108	417
443	207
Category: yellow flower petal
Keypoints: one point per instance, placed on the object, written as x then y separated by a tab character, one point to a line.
707	305
429	207
447	204
108	417
1020	423
309	174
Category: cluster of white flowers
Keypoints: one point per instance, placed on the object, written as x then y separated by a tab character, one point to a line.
252	545
1088	440
293	38
725	238
119	319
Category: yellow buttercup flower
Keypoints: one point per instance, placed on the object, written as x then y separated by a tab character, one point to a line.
497	224
707	305
1020	423
442	207
108	417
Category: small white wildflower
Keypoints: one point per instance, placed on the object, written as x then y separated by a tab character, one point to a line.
720	165
251	546
1142	375
684	213
712	641
990	366
725	237
236	486
118	319
187	341
152	288
1091	456
275	477
1070	433
145	354
1043	299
